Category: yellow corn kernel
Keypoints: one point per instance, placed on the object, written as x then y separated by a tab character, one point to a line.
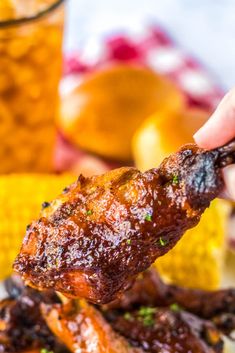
197	260
21	196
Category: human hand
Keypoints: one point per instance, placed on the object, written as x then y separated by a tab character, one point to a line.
217	131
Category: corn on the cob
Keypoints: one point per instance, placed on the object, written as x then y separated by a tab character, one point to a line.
197	259
21	196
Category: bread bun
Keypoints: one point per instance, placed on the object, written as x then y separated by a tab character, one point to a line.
163	133
103	112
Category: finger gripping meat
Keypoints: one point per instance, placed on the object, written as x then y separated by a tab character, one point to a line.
102	231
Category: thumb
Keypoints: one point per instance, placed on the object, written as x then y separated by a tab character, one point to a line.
220	128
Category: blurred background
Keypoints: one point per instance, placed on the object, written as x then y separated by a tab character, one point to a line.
87	86
104	84
204	28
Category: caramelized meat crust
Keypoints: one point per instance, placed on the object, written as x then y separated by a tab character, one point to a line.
150	290
168	331
30	321
83	329
22	327
95	238
148	329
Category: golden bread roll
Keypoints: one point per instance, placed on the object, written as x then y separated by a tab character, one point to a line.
103	112
163	133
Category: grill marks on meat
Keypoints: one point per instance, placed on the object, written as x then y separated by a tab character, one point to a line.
95	238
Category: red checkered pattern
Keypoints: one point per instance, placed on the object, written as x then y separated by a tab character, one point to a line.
154	48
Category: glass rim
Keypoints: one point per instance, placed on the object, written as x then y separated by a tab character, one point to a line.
38	15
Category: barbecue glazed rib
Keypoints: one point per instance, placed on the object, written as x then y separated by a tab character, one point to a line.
102	231
34	322
161	328
22	327
158	330
82	328
150	290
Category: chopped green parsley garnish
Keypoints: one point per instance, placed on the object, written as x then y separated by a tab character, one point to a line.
146	310
128	316
146	315
162	241
175	307
128	241
175	180
148	217
44	350
89	212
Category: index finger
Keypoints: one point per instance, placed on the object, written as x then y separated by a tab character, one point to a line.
220	128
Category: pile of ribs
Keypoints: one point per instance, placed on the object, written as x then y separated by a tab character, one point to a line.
149	317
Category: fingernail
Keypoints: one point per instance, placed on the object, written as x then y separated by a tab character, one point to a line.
197	136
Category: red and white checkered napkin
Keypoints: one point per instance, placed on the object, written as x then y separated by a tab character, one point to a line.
152	48
155	49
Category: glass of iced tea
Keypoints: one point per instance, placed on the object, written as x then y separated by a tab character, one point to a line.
31	33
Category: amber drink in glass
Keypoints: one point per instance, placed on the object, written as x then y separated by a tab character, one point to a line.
31	33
